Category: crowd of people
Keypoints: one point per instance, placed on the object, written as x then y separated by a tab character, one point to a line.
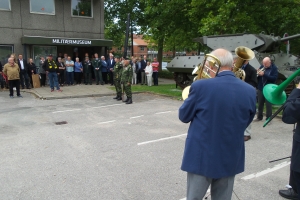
65	71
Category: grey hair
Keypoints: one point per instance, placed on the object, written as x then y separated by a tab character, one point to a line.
224	56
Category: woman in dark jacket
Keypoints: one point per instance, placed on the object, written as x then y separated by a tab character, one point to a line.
31	69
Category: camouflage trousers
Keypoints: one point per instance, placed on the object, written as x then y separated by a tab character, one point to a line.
117	83
127	90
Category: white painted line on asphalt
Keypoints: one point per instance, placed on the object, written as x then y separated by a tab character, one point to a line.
108	105
162	112
136	117
264	172
161	139
107	122
65	111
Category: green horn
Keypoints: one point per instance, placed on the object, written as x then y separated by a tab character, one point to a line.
275	93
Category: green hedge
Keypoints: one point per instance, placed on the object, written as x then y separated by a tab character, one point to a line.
165	74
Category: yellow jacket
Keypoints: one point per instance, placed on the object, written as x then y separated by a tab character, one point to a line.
11	71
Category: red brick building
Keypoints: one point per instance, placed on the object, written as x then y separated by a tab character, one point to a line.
140	48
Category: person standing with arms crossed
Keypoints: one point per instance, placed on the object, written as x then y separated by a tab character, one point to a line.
52	71
155	67
97	69
12	71
215	149
87	71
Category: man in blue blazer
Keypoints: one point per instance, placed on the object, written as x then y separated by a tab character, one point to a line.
110	64
219	110
264	77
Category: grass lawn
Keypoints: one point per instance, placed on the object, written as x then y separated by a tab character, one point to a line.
169	90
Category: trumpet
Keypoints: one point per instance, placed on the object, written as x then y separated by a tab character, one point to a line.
261	70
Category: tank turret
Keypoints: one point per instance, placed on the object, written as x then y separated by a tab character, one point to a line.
259	42
263	45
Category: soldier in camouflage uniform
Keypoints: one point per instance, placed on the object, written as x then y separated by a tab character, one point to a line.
117	78
126	81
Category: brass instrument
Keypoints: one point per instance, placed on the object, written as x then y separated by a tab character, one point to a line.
208	69
261	70
243	53
276	95
211	64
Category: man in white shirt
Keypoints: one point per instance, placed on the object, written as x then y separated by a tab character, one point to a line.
23	72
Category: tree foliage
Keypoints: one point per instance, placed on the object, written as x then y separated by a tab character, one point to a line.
172	24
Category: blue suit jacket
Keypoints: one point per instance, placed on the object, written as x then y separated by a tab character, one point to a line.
110	64
219	109
270	76
104	67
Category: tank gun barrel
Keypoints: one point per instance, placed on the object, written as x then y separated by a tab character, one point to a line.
290	37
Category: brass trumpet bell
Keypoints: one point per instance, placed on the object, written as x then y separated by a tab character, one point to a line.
243	53
208	69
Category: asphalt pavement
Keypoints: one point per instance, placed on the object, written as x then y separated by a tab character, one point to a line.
99	148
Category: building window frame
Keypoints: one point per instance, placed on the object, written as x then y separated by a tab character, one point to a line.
7	45
9	9
36	58
92	11
142	48
41	13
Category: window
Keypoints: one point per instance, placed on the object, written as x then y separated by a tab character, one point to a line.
82	8
5	51
44	51
42	7
142	48
5	5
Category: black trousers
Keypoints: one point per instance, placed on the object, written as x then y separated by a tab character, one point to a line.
295	181
2	81
61	77
138	77
78	77
111	77
104	76
155	78
261	101
43	79
12	84
88	78
24	77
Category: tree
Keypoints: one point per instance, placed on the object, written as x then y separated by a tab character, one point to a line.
252	16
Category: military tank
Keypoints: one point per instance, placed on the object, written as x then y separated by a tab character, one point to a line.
263	45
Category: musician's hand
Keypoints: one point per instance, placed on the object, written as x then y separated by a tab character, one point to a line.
298	86
261	73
